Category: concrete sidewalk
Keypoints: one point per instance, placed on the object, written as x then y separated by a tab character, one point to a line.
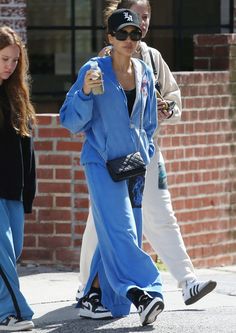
51	293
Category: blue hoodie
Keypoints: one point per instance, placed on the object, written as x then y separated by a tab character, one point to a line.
109	131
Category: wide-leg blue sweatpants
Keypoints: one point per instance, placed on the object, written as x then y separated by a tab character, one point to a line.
118	260
12	302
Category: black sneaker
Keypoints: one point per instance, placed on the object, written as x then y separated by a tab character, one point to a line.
91	307
149	308
11	323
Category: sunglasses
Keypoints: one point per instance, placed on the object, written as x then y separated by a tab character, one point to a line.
135	35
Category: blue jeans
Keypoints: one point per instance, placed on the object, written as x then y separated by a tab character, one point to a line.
12	302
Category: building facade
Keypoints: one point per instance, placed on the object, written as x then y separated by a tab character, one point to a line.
63	34
199	151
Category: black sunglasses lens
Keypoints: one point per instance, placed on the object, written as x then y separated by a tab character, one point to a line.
121	35
135	35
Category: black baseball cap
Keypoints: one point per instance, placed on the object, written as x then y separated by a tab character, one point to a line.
121	18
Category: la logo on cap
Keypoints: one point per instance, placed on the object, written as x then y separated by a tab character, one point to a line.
128	17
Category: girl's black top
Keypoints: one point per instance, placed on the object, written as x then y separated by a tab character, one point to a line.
131	95
17	161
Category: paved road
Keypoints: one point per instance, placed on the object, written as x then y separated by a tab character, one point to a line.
51	293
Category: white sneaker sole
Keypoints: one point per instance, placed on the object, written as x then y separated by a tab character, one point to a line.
205	290
21	326
84	313
149	315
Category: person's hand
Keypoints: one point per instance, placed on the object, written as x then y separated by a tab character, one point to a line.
92	80
164	110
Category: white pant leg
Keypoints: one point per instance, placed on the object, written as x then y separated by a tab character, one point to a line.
89	244
160	226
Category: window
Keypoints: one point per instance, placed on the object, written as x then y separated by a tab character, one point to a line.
63	34
174	22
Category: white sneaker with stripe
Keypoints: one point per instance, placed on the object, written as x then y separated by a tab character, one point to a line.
195	290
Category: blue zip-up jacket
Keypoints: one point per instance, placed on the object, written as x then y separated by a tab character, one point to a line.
109	130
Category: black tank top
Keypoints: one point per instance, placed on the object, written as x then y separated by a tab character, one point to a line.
131	95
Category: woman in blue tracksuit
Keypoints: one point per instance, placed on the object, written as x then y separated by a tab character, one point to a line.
120	272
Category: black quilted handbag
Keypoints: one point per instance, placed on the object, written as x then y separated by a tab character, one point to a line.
126	167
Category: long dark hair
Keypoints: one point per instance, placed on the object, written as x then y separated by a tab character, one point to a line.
17	85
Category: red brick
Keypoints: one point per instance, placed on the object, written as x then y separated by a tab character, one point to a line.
44	173
214	39
68	255
31	217
63	201
63	173
39	228
79	175
219	64
54	242
53	187
81	203
43	201
44	120
29	241
63	228
69	146
54	215
221	51
37	255
201	64
79	229
203	51
54	160
81	188
53	133
77	243
43	145
81	216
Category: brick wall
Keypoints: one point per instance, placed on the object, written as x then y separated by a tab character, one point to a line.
200	160
54	230
199	153
12	13
214	52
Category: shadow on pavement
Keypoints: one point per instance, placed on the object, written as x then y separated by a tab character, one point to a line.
37	269
50	322
186	310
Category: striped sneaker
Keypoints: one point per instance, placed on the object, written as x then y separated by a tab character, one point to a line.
194	291
11	323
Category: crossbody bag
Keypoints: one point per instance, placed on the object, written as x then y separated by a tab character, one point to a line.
127	166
